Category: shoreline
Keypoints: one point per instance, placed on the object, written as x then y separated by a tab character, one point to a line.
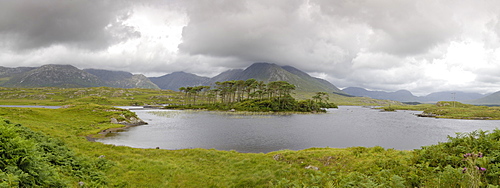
105	132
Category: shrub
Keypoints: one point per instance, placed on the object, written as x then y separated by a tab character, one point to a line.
31	159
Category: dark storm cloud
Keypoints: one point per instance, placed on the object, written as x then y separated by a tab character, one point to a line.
424	45
254	29
92	24
232	28
399	27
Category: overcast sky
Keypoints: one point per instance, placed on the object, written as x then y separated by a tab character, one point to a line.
423	46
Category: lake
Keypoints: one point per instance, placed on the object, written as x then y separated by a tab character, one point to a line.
347	126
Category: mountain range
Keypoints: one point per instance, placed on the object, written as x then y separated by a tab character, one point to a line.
53	75
266	72
66	76
407	96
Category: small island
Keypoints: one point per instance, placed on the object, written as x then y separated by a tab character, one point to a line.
250	95
451	110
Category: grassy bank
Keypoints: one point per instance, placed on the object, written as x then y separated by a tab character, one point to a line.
126	97
433	166
452	110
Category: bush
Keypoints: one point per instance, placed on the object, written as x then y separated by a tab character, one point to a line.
31	159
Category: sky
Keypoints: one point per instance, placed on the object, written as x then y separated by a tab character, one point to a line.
422	46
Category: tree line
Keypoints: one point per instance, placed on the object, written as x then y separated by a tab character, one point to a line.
252	95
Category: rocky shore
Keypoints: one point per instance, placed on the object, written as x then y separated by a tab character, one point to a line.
131	122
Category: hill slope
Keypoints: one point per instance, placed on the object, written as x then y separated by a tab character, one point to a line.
8	72
176	80
54	76
122	79
268	72
68	76
401	95
492	99
407	96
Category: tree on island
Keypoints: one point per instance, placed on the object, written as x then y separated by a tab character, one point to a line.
251	95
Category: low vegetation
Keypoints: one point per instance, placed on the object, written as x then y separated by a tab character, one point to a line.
54	140
52	96
452	110
49	148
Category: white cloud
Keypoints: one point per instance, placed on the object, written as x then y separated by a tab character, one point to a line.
422	46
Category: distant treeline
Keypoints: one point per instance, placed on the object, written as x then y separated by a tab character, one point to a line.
251	95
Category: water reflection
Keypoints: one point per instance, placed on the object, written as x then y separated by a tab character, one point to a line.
344	127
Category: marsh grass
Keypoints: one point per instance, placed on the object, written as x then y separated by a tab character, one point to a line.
432	166
453	110
119	96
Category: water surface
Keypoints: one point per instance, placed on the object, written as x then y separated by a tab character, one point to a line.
347	126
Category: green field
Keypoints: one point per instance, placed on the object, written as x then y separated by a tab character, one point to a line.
452	110
120	96
48	148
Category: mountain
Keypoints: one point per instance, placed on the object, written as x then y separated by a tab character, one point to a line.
176	80
407	96
268	72
54	76
69	76
453	95
8	72
121	79
224	76
401	95
492	99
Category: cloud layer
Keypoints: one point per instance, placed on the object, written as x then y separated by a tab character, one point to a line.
423	46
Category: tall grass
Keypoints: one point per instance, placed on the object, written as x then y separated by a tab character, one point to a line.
439	165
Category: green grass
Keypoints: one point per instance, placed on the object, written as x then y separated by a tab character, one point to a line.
98	95
432	166
118	96
453	110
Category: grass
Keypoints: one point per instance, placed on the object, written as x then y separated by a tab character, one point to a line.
118	96
439	165
321	167
453	110
99	95
188	167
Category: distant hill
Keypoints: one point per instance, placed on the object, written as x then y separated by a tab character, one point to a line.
122	79
453	95
68	76
492	99
401	95
54	76
407	96
176	80
266	72
9	72
224	76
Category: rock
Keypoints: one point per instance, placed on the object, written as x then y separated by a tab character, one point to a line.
114	120
312	167
278	157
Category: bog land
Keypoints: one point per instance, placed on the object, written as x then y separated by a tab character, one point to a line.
48	148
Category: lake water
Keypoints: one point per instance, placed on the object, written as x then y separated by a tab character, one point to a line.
347	126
